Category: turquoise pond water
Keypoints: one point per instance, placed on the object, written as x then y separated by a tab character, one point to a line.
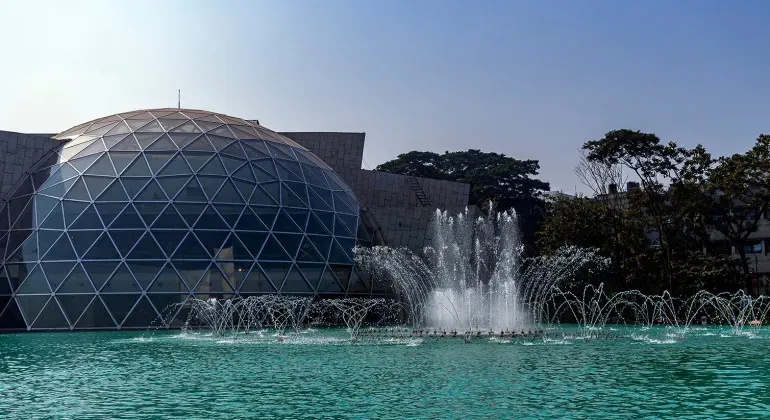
639	373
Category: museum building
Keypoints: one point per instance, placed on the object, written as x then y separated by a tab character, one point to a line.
118	222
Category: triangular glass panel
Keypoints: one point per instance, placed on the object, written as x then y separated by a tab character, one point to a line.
272	188
232	164
207	125
158	159
76	282
214	282
220	137
289	171
299	216
191	271
245	173
297	197
213	167
157	113
152	127
276	152
321	243
350	222
134	185
109	211
5	286
266	214
307	252
97	146
168	281
99	128
146	248
111	141
197	160
234	249
190	211
250	221
253	241
151	192
312	272
31	305
329	284
290	242
145	139
96	184
276	271
56	272
137	168
51	317
35	283
264	170
74	305
339	255
72	210
119	128
129	219
120	305
103	166
57	190
83	239
11	317
273	251
211	240
327	218
125	239
295	283
320	198
169	124
228	194
262	198
191	249
128	144
121	282
149	211
169	239
43	207
314	225
169	219
95	316
114	192
187	127
251	152
173	184
121	160
177	166
210	219
245	188
99	271
164	143
61	250
135	124
211	185
235	149
200	144
81	164
229	213
183	139
145	271
103	249
89	219
257	282
315	176
46	238
235	271
335	182
284	223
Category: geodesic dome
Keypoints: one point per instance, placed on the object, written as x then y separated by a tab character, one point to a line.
139	211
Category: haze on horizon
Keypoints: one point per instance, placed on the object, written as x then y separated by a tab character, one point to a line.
533	80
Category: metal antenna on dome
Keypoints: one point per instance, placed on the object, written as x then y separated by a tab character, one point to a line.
179	99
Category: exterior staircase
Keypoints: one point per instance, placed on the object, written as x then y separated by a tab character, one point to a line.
414	183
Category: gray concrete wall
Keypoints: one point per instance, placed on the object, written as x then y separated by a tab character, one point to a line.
344	152
18	152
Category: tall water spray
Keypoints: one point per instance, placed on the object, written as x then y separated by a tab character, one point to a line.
474	276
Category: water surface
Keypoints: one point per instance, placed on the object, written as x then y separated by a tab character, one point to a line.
640	373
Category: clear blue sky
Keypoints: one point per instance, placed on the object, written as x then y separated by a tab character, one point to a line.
531	79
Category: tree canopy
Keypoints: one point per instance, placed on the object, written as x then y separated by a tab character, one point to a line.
508	182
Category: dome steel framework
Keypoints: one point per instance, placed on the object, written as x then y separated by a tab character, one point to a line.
140	211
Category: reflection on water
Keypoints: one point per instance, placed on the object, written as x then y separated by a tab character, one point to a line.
319	374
